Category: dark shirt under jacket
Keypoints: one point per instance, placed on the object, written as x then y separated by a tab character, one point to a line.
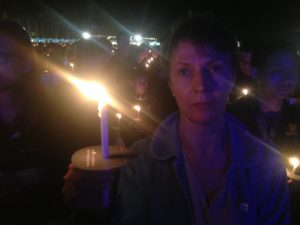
279	128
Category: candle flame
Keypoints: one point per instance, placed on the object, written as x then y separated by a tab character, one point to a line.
245	91
294	162
92	90
137	108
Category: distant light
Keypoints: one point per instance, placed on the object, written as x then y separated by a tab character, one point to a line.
86	35
245	91
72	65
138	37
151	59
147	65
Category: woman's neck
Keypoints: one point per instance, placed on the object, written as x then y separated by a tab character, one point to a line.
203	140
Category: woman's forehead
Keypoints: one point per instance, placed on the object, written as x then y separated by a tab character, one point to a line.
187	50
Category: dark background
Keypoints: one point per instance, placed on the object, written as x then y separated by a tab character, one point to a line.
150	18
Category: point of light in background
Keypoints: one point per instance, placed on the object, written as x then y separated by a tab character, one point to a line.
86	35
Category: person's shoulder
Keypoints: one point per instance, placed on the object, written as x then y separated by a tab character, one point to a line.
162	137
141	146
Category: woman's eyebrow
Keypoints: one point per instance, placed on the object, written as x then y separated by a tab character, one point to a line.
182	63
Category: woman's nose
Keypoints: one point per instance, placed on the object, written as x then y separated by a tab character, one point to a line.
199	82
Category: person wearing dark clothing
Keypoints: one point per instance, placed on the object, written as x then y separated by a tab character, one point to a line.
28	186
269	115
280	128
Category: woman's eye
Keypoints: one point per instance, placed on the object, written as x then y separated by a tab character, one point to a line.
184	72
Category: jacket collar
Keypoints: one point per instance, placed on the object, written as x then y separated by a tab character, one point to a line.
166	142
245	149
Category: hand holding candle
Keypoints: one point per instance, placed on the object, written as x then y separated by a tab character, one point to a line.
89	158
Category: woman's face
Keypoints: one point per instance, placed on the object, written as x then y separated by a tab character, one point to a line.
280	75
200	80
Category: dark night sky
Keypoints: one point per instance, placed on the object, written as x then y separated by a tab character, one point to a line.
245	18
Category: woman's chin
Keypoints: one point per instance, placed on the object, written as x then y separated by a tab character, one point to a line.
203	117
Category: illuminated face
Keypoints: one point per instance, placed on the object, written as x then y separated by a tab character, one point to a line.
11	64
201	81
280	75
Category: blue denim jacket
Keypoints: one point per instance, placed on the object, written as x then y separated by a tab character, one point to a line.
154	188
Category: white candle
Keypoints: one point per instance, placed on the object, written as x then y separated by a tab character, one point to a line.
104	130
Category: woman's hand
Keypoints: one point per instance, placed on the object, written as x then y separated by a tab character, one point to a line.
89	189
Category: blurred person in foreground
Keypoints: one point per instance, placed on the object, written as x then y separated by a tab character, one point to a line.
202	166
28	188
270	115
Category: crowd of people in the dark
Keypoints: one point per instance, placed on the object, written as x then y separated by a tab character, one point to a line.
221	157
